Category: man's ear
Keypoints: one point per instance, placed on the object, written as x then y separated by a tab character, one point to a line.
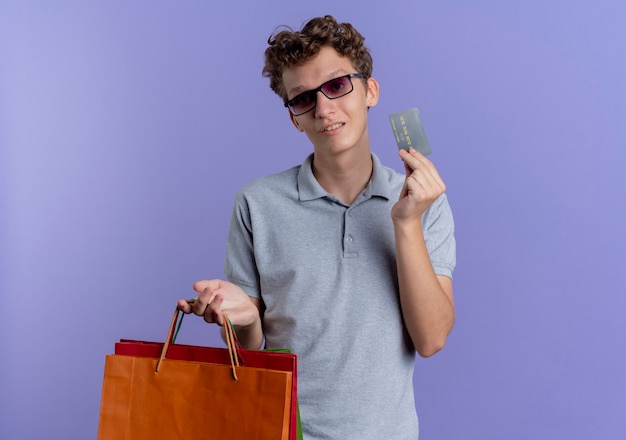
294	121
373	91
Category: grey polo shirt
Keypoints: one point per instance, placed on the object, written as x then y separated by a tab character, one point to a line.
326	273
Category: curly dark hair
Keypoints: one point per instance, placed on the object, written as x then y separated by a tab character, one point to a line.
288	48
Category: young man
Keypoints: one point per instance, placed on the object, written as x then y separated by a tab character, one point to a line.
344	261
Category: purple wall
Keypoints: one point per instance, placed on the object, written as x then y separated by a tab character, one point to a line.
126	128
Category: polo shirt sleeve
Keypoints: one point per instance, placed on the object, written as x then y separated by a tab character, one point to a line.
438	227
240	265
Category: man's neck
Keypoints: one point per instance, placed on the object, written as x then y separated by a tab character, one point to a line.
345	175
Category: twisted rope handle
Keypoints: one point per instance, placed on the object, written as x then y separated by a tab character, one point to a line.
231	340
168	340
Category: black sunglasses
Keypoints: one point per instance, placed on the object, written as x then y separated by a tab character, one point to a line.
333	89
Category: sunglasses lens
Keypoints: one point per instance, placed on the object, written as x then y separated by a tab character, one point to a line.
336	88
303	102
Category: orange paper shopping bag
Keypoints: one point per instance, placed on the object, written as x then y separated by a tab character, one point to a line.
165	390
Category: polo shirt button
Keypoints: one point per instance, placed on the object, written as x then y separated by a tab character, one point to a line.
349	239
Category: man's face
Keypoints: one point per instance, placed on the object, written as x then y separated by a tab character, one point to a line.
334	125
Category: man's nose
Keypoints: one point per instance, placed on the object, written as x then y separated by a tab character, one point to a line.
323	104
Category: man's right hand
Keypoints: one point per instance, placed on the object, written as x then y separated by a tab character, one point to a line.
218	298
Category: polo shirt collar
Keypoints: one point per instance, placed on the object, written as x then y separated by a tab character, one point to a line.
310	189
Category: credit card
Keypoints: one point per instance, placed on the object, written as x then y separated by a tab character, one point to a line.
409	131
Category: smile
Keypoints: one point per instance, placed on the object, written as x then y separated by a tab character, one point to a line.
333	127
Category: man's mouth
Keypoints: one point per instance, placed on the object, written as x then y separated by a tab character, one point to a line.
333	127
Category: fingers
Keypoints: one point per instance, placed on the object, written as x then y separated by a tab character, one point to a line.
202	285
209	305
422	186
213	312
217	298
414	160
184	306
422	171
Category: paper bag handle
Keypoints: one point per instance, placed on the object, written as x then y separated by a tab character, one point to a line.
231	341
